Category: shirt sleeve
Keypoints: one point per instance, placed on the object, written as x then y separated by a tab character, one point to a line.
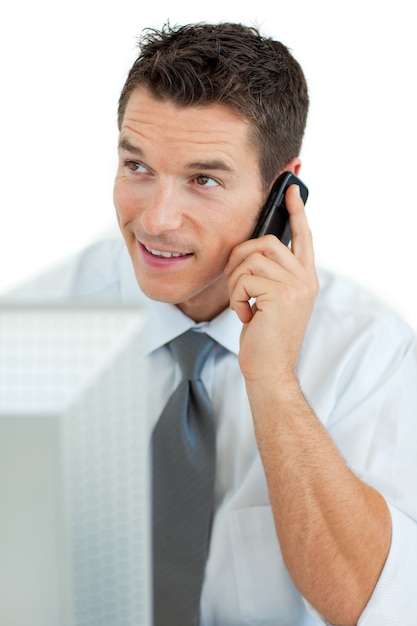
375	428
391	467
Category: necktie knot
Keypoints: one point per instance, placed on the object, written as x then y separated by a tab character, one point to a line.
191	350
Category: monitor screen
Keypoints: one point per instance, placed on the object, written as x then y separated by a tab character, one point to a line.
74	490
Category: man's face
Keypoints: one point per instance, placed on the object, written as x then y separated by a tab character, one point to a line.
187	190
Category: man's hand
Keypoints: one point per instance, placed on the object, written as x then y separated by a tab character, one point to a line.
308	501
283	282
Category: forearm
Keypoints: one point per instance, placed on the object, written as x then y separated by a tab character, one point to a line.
334	530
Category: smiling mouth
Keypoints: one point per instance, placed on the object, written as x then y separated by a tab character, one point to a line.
165	254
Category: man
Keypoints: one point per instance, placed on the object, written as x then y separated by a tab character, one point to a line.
314	391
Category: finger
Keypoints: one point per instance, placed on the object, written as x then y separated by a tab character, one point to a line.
268	246
256	264
246	288
266	257
301	236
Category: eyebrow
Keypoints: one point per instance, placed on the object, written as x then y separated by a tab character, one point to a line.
210	165
214	165
124	144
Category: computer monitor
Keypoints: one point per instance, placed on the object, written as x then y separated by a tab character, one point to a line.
74	489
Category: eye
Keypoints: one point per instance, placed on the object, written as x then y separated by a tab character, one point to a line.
206	181
136	167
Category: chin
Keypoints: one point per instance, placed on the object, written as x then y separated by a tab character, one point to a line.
159	292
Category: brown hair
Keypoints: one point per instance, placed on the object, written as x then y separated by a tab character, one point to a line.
233	65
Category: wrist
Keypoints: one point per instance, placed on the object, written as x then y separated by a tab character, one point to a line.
273	398
284	386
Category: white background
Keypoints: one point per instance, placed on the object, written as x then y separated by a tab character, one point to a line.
63	65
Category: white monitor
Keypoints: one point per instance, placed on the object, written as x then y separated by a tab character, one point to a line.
74	492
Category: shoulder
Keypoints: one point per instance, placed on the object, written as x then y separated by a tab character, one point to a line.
344	304
354	332
356	348
93	273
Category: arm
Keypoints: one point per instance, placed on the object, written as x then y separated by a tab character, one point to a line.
333	529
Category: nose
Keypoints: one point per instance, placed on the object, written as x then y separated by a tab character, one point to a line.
162	212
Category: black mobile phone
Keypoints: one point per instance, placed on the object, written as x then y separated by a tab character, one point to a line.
274	217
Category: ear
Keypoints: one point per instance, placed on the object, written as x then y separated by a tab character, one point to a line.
293	166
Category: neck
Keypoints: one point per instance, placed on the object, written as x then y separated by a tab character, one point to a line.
208	304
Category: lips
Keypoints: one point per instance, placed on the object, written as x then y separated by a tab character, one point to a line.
156	258
164	253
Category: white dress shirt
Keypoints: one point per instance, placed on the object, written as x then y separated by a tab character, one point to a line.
358	371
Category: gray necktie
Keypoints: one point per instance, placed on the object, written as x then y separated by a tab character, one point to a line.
183	452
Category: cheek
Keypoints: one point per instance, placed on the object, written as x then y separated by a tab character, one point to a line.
224	239
124	203
243	220
117	198
239	229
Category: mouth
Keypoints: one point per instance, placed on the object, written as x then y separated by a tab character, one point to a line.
165	253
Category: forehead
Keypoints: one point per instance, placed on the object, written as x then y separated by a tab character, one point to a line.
209	126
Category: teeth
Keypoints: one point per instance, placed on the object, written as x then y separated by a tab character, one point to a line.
167	255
